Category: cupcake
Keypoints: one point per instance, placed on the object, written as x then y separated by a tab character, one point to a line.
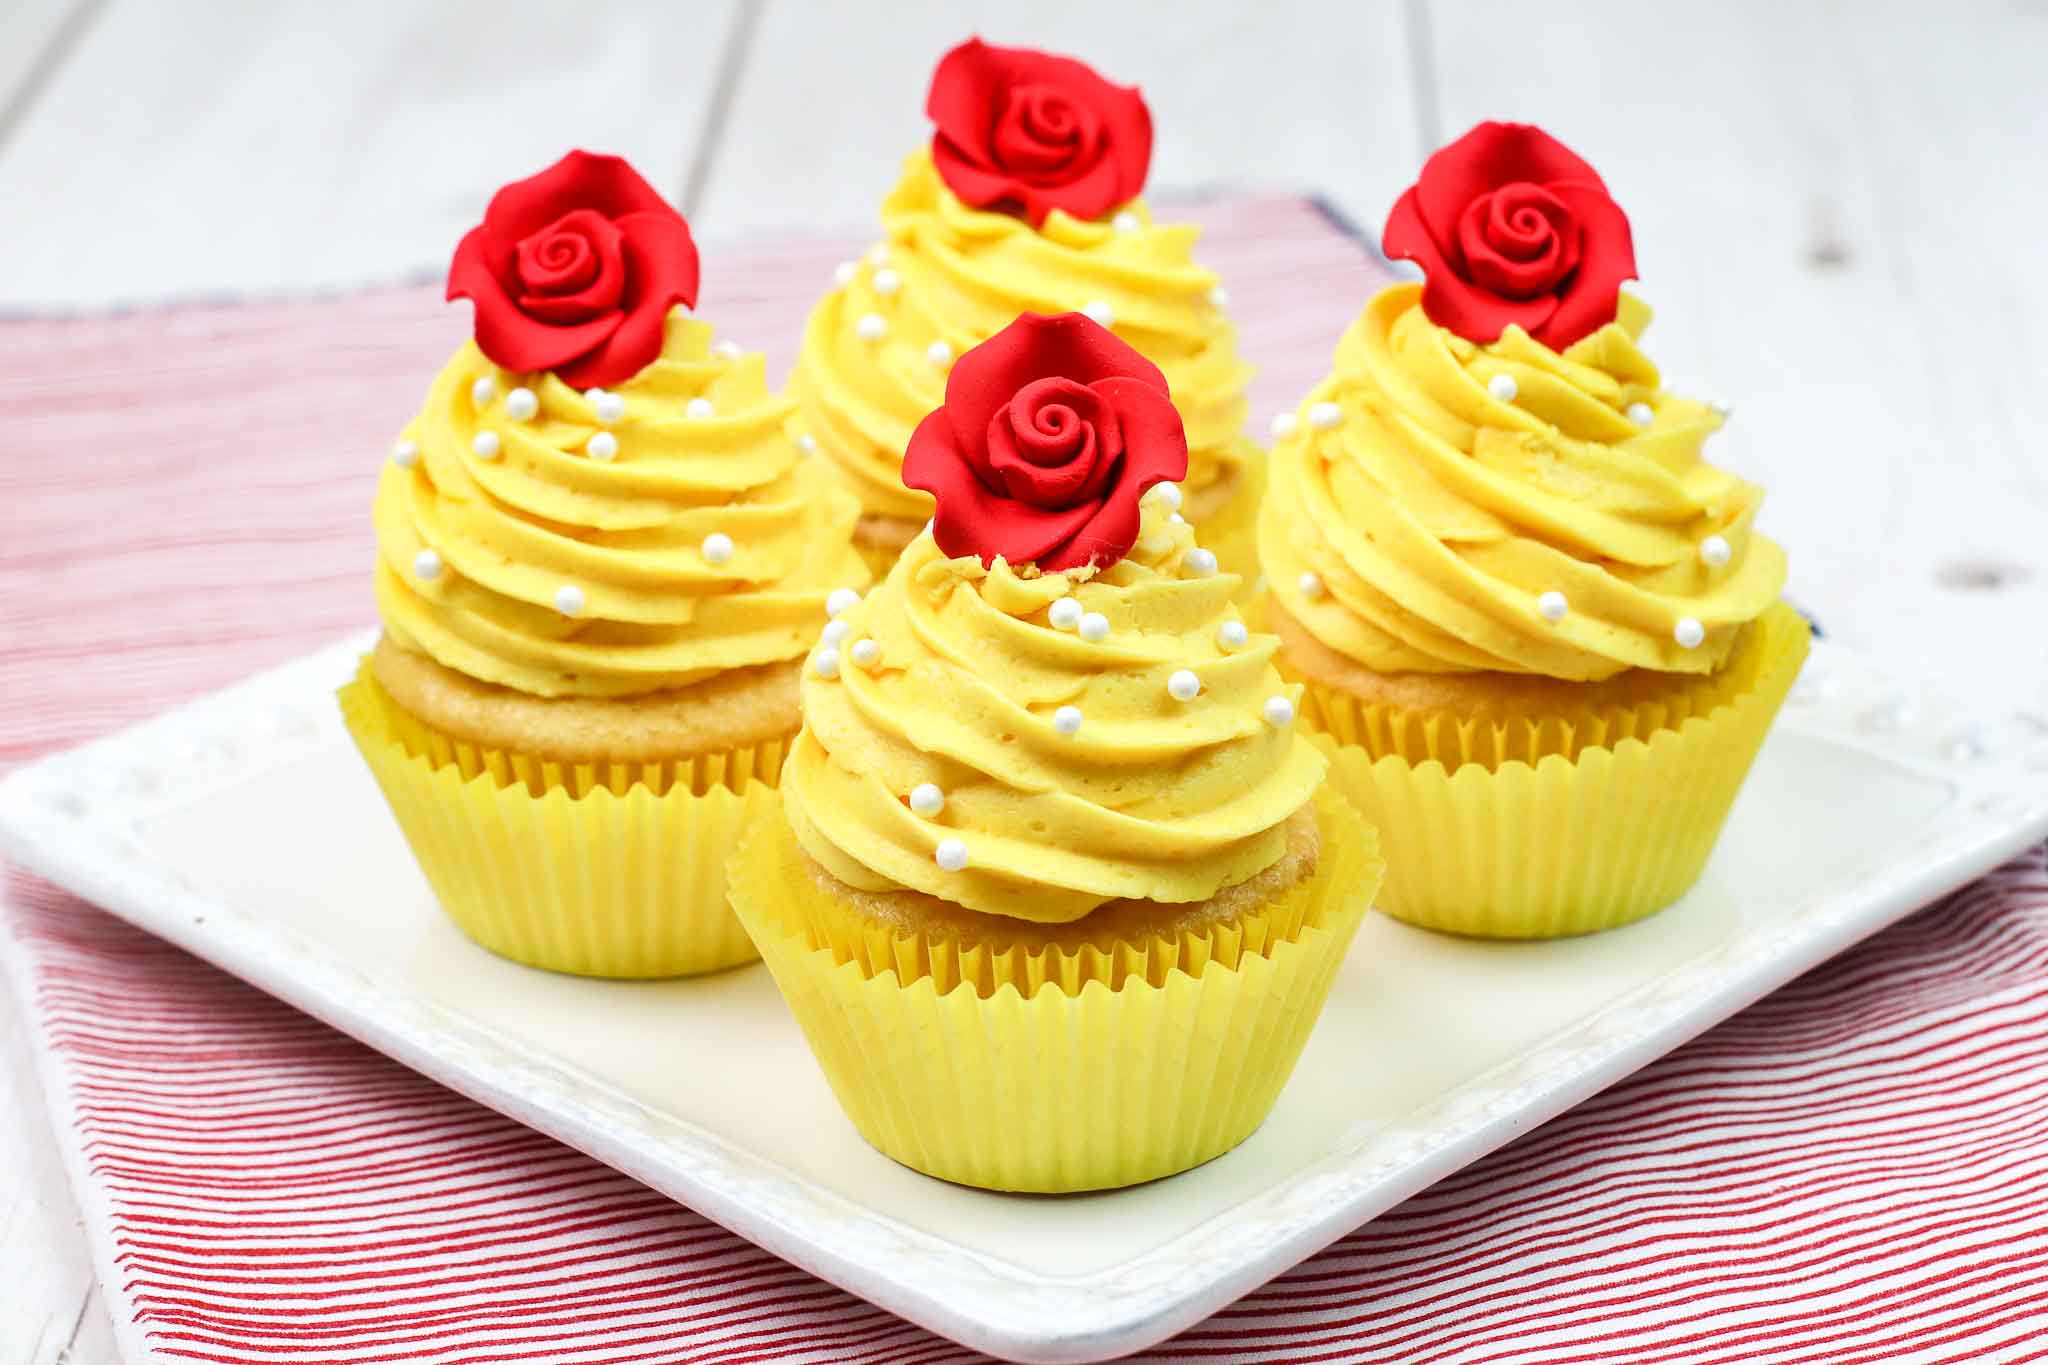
1026	199
598	574
1539	633
1060	890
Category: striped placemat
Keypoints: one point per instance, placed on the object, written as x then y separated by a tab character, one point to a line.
1851	1170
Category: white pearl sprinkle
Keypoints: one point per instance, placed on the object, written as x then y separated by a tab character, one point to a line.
1183	685
1097	312
1689	633
405	454
1198	563
1167	495
1278	711
1067	720
951	854
887	282
841	599
569	600
602	445
1723	409
486	445
731	350
1309	586
842	274
1125	222
880	255
426	564
1552	605
871	327
1503	387
521	404
483	391
1065	614
1285	425
1176	520
1716	551
825	663
698	409
1639	412
1094	627
1233	635
926	799
717	547
1219	297
940	353
835	632
866	651
807	443
592	394
1323	416
610	407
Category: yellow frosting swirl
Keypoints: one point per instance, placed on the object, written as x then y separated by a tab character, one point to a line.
1435	513
949	277
1152	798
559	573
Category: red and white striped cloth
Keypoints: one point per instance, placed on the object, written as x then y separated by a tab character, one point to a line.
1852	1170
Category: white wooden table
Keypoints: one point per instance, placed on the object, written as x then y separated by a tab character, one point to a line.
1837	212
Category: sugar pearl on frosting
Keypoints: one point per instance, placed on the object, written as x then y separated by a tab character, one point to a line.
1278	711
1067	720
1233	635
521	404
1097	312
1198	563
926	799
807	443
866	651
1167	495
940	353
1309	586
1125	222
841	599
835	632
405	454
1220	297
483	391
1094	627
1285	425
887	282
1553	606
698	409
610	407
569	600
485	444
951	854
1689	633
1503	387
825	663
1183	685
1323	416
592	394
871	327
1715	551
427	565
1723	409
880	255
1639	412
717	547
602	445
1176	520
1065	614
842	274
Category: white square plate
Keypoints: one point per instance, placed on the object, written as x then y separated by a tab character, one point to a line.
246	829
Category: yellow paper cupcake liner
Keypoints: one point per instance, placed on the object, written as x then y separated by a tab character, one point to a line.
1039	1086
610	869
1548	826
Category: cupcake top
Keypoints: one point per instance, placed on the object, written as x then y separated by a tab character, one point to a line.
1050	703
1492	477
1026	200
596	501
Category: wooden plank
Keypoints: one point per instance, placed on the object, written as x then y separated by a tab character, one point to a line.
34	38
253	145
46	1271
1261	96
1832	208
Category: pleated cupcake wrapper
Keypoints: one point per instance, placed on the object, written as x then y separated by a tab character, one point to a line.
1054	1091
612	870
1563	845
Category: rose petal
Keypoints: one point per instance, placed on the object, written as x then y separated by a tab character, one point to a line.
1514	258
1607	257
661	271
971	518
1055	445
1491	155
1070	346
590	292
605	185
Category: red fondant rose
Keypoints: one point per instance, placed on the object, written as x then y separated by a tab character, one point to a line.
575	270
1509	226
1051	431
1028	132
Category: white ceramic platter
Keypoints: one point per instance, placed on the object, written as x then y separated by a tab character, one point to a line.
245	828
